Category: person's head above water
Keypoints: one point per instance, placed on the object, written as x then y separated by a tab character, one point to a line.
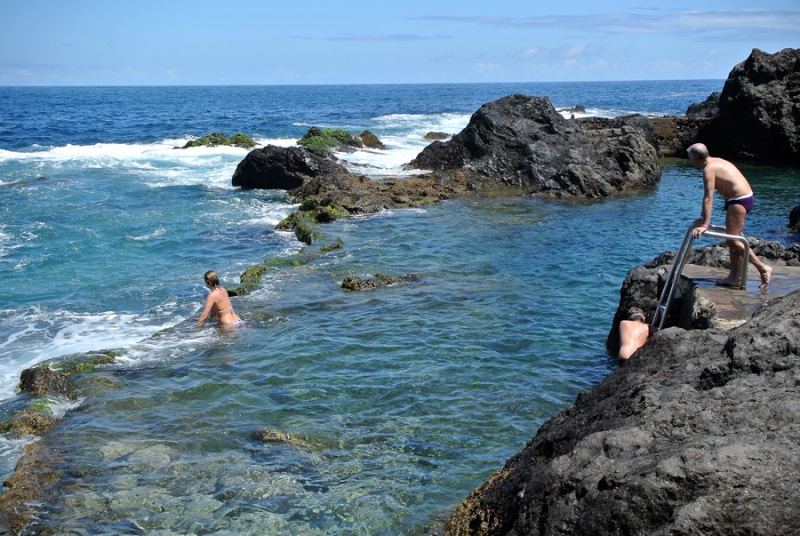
211	279
636	314
697	151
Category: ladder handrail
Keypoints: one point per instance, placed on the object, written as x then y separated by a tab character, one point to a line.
667	293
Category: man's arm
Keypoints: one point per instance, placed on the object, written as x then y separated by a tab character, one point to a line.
702	223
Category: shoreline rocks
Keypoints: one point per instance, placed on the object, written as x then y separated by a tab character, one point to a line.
524	142
699	433
758	118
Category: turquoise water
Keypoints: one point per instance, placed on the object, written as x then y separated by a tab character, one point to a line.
399	401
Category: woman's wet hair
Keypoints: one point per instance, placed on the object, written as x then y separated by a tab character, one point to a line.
211	279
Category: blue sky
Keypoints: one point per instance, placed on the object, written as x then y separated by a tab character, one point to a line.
173	42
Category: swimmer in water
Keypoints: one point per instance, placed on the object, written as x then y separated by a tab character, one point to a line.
218	303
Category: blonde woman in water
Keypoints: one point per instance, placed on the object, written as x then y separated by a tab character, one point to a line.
218	303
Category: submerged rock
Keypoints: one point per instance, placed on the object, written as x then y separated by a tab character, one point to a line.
380	280
699	433
522	141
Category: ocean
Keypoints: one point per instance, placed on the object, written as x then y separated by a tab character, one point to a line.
396	402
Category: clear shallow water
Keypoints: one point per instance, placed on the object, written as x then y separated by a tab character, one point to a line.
400	400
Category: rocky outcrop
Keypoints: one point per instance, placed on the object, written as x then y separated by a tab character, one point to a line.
42	381
216	139
758	115
380	280
371	140
708	108
794	219
522	141
435	135
327	140
278	168
674	134
698	433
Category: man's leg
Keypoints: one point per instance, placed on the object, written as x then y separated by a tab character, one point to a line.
734	225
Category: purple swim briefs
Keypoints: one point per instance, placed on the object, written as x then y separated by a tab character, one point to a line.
746	202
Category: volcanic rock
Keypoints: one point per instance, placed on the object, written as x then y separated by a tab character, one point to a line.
698	433
522	141
278	168
759	117
371	140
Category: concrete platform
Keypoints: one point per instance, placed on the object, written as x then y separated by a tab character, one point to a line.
736	306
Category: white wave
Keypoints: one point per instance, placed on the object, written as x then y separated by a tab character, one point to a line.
160	231
161	163
11	450
449	122
33	334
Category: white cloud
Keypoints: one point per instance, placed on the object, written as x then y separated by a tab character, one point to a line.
488	67
531	53
738	24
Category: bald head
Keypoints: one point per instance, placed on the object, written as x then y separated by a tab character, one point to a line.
698	150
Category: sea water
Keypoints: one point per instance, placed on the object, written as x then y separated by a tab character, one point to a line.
389	405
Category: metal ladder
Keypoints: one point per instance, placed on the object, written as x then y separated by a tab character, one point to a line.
667	293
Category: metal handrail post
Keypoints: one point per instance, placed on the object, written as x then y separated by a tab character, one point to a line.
670	283
667	293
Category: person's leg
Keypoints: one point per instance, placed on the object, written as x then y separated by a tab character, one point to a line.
734	225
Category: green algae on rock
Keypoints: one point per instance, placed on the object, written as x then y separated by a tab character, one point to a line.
216	139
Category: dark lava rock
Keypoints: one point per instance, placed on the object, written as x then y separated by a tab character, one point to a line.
640	122
698	433
759	111
522	141
794	219
674	134
278	168
707	108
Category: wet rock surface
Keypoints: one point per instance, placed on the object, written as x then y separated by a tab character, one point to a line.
380	280
44	381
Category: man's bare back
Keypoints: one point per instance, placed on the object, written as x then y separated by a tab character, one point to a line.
632	335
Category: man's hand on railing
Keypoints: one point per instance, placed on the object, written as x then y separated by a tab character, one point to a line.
700	227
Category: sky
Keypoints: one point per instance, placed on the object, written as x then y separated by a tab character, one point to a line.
266	42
